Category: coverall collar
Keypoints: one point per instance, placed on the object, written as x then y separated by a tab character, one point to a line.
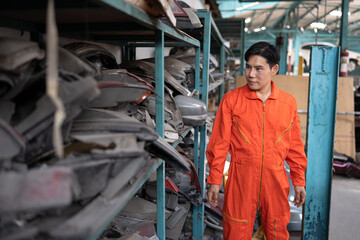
252	95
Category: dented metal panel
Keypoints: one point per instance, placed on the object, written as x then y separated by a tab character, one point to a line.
320	140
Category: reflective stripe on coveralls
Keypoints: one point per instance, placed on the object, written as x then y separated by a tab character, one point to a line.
259	137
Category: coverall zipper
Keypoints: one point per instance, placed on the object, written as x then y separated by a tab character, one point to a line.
262	152
241	133
274	229
278	140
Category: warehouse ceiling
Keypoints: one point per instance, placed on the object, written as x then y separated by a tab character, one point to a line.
286	15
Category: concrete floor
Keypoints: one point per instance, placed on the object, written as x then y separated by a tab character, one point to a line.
344	210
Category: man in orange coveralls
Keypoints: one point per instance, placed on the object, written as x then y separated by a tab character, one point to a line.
259	125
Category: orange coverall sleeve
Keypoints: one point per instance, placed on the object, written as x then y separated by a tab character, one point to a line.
219	143
296	156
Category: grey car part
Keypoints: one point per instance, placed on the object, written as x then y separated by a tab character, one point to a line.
217	76
18	60
175	223
36	124
146	69
34	111
193	111
125	227
171	197
37	189
7	109
181	71
175	217
186	17
154	144
11	144
141	209
172	114
113	93
16	52
91	175
93	53
119	86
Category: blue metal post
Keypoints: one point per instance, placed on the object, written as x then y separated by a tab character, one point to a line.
320	140
297	50
221	63
196	135
283	56
344	24
242	47
204	98
159	89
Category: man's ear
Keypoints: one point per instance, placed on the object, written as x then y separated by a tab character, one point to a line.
275	69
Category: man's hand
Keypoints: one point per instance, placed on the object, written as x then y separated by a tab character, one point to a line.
213	195
300	195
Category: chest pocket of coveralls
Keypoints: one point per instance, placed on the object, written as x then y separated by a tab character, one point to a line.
283	141
242	140
237	126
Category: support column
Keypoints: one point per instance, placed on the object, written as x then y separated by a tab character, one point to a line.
196	137
242	47
323	86
297	50
159	106
282	44
221	63
344	24
198	230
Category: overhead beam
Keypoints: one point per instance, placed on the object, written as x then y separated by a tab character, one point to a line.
309	10
354	28
252	16
293	5
323	16
270	14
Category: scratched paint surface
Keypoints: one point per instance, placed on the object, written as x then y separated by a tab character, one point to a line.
320	140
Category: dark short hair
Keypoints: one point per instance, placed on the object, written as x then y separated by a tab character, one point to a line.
265	50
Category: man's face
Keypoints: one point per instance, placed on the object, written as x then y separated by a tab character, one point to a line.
258	73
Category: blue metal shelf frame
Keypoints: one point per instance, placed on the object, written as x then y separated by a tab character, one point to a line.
159	105
198	212
209	30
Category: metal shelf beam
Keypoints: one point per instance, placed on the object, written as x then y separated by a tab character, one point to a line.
144	19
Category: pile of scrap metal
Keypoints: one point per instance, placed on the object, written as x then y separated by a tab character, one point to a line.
109	138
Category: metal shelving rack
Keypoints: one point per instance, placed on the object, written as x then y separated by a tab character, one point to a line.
108	21
209	32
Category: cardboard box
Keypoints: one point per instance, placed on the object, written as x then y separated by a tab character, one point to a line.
345	123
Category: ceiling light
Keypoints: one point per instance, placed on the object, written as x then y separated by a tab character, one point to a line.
337	13
247	20
257	29
318	25
246	29
247	6
315	30
288	26
263	28
302	29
